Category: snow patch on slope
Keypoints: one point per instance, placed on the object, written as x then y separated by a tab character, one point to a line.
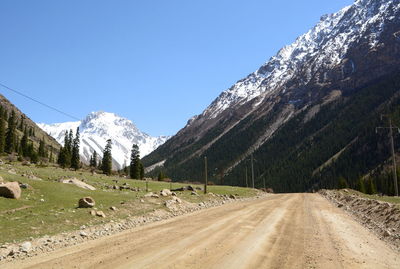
324	46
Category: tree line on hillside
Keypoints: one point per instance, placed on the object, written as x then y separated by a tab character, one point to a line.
68	156
135	169
299	156
16	137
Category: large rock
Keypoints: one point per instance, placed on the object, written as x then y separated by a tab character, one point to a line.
78	183
86	202
165	192
10	190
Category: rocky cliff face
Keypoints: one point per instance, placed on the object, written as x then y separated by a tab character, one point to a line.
343	52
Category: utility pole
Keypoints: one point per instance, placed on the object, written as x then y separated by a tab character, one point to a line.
252	170
396	189
205	175
247	183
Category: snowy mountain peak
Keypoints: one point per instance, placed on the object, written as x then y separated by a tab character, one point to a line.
99	126
324	46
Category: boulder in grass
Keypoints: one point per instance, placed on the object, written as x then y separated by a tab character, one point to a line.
100	214
165	192
86	202
10	190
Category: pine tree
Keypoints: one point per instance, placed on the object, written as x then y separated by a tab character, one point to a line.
21	125
107	159
100	165
361	185
70	140
93	160
61	157
342	183
161	176
51	154
24	145
2	135
370	187
42	148
134	171
141	170
32	153
66	152
10	145
75	159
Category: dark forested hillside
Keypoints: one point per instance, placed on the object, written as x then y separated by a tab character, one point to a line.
293	160
308	115
23	122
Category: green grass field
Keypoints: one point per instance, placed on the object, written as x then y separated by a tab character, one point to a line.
49	207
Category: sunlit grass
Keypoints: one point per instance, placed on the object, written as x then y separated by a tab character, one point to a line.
48	207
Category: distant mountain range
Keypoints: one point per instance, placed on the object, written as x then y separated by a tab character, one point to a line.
97	127
299	114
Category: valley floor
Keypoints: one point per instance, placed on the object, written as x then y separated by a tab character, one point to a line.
279	231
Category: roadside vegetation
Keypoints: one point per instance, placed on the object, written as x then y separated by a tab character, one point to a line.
48	207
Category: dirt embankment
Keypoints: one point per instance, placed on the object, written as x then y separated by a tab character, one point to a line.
381	217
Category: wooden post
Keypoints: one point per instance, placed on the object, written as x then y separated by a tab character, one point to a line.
252	170
205	175
396	189
147	186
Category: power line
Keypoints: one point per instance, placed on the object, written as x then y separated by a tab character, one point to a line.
39	102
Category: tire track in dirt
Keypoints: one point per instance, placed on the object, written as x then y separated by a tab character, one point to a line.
280	231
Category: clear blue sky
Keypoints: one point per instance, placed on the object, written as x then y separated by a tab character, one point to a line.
157	63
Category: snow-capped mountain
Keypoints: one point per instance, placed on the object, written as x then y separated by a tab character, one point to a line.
344	53
322	47
97	127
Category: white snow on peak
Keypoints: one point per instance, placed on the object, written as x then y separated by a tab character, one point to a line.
100	126
325	45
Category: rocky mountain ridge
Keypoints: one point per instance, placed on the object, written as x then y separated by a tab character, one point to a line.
97	127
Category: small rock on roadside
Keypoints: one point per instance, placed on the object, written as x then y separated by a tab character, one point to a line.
26	247
83	234
386	233
100	214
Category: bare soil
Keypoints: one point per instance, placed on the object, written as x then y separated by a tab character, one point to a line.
279	231
381	217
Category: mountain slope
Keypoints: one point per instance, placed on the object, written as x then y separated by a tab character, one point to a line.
97	127
50	142
337	60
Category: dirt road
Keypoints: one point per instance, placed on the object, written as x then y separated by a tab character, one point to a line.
280	231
